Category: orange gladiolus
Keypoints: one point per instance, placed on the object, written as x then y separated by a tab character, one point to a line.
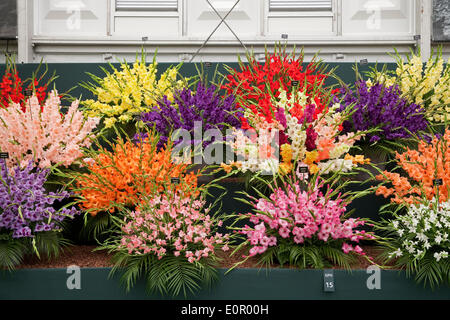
358	159
324	147
423	167
228	168
119	177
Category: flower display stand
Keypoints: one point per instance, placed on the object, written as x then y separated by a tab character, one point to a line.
243	283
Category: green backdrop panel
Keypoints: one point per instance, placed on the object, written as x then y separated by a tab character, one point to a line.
71	74
248	284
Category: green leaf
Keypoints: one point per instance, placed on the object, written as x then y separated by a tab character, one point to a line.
12	252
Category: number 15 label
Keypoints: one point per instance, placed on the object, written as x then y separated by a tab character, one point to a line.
328	281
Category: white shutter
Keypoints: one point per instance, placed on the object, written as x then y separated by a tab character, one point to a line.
150	5
288	5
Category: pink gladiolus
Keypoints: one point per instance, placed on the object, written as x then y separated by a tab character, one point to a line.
44	136
253	251
346	247
292	213
298	239
284	232
172	224
358	249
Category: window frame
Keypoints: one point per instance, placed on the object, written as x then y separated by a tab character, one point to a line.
305	9
156	9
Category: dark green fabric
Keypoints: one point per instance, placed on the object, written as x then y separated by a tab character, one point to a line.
71	74
249	284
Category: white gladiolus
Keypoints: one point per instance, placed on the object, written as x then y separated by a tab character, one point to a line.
428	225
335	165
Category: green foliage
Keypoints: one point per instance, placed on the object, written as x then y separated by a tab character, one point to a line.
307	255
47	245
97	226
168	276
426	270
12	253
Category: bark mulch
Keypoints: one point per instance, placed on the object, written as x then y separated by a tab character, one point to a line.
84	256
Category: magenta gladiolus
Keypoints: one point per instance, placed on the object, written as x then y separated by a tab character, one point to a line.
296	214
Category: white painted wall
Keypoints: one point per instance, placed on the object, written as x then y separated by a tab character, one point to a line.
371	18
93	31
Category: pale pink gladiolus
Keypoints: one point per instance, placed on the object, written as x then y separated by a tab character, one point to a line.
187	228
346	247
44	136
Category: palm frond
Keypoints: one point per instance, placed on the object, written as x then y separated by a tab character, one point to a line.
169	276
337	257
50	244
12	252
96	225
428	271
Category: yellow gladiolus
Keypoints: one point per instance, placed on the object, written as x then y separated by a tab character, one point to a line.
285	168
286	153
311	157
313	168
130	90
424	85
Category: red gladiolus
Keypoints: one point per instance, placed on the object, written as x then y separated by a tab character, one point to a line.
256	83
12	88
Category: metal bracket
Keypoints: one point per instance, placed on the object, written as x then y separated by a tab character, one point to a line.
222	20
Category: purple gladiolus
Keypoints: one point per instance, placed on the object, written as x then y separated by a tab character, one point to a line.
204	105
25	205
381	107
